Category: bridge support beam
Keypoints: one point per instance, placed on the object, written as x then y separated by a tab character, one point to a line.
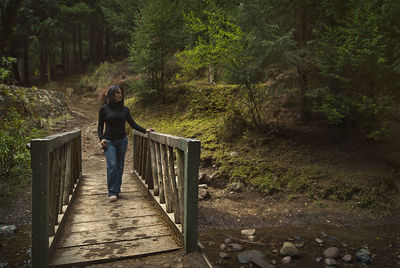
190	226
40	162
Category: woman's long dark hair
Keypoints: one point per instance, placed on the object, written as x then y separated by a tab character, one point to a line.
110	97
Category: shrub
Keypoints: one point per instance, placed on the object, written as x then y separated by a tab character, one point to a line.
14	157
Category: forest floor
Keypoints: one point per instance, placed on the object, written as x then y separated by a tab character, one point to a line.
224	211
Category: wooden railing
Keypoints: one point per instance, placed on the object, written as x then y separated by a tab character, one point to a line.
169	167
56	163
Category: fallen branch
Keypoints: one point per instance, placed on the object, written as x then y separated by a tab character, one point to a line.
245	241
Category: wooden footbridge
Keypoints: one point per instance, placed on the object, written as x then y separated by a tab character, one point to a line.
74	224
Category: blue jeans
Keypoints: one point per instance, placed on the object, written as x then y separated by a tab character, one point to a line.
115	156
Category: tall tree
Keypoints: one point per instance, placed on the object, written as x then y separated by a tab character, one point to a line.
156	38
8	14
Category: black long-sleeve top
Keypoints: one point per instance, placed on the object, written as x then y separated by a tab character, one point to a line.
114	118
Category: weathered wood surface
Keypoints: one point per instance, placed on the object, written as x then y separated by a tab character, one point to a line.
98	230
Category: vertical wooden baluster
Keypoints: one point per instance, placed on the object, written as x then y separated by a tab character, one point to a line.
154	167
133	151
159	173
174	190
145	157
57	182
165	173
180	161
79	149
143	163
68	181
149	170
140	158
52	190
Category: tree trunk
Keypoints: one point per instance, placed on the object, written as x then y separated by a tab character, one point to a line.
80	43
48	68
211	73
7	17
63	56
74	50
107	43
25	71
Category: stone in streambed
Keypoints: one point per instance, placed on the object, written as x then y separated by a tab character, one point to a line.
236	247
288	249
8	229
330	262
347	258
331	252
228	240
286	260
248	255
248	232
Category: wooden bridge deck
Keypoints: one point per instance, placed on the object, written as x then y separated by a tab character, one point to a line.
97	230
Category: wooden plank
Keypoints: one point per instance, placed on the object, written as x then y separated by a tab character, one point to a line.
110	214
108	235
99	202
117	223
113	251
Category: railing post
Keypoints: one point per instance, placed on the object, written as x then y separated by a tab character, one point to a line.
40	163
190	228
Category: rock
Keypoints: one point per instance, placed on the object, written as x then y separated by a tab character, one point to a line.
233	154
211	243
363	256
222	246
331	252
261	263
288	249
217	174
202	178
319	241
203	194
286	260
224	255
249	255
330	261
248	232
203	186
236	186
228	240
319	259
179	265
3	264
236	247
252	238
8	229
299	244
167	265
347	258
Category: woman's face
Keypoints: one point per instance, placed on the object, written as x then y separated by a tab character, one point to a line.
118	95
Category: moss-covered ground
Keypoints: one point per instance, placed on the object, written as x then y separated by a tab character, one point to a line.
296	161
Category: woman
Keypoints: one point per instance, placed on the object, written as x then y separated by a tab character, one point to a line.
113	140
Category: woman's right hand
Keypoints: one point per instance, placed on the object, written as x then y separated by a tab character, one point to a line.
103	143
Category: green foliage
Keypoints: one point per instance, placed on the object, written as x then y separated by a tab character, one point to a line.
6	69
156	37
14	157
217	39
